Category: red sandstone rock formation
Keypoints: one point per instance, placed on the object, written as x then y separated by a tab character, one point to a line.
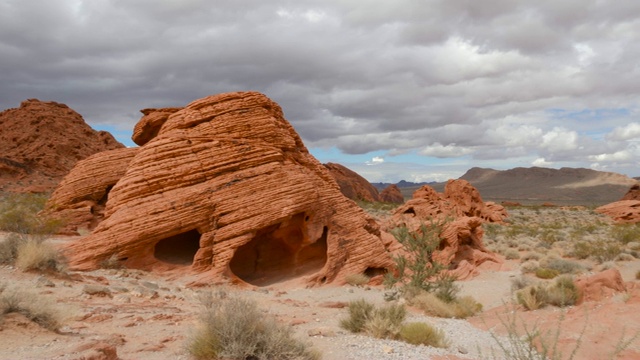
462	211
625	211
41	141
226	188
633	193
392	194
352	185
599	286
80	198
460	198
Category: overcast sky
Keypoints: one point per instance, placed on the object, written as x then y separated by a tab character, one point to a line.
416	90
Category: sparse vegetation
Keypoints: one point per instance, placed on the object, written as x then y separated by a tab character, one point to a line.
387	323
34	307
234	328
561	292
418	333
431	304
25	246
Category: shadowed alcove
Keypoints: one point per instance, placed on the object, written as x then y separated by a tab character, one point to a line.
279	252
178	249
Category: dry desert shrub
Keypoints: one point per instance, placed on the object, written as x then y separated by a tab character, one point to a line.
19	213
418	333
600	250
236	329
512	254
431	304
34	254
561	292
357	279
34	307
384	322
626	233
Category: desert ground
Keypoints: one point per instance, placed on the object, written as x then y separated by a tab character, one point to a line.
131	314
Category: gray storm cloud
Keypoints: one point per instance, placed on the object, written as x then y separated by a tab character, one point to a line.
448	78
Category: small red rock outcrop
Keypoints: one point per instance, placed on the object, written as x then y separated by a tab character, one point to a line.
624	211
633	193
392	194
462	211
227	189
601	285
80	198
352	185
41	141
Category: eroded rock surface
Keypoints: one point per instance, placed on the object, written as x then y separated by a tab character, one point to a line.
352	185
624	211
41	141
80	198
461	211
392	194
225	188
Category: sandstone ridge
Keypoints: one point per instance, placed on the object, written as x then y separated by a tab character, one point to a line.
223	188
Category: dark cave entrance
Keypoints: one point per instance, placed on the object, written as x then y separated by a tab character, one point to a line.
178	249
279	252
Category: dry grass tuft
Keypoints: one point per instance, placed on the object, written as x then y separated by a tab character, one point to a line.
431	304
418	333
384	322
234	328
34	307
34	254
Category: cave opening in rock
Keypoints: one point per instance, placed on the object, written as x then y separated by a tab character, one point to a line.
280	252
178	249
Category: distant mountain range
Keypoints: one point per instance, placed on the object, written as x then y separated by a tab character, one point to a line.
538	185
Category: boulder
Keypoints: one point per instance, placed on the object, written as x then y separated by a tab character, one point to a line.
633	193
41	141
461	212
352	185
599	286
227	190
624	211
392	194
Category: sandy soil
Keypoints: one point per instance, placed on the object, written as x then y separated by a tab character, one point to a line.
141	315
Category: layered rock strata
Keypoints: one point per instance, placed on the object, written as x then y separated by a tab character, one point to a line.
225	188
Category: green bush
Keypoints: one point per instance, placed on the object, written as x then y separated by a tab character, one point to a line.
418	333
234	328
420	268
